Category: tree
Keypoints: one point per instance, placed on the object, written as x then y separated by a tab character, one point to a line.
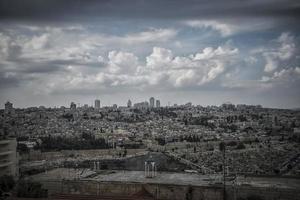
241	146
6	184
29	189
125	152
22	148
221	146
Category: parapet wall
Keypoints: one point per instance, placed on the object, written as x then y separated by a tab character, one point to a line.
167	191
157	191
265	193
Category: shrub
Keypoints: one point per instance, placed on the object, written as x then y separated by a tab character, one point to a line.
6	183
240	146
29	189
254	197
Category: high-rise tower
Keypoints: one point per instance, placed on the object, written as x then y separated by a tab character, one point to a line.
97	104
152	100
157	103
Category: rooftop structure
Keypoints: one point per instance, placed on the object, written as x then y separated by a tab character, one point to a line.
129	103
73	106
9	108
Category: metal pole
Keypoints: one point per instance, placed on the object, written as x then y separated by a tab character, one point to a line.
224	173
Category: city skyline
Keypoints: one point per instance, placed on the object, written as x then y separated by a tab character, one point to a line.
245	53
150	99
130	104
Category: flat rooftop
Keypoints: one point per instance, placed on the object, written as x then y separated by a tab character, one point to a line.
164	178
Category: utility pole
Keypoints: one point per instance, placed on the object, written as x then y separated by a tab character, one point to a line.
223	148
224	172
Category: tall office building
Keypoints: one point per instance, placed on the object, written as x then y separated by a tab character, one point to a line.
97	103
152	100
129	103
157	103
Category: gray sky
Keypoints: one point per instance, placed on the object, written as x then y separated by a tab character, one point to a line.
207	52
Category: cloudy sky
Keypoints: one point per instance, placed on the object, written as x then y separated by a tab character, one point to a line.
208	52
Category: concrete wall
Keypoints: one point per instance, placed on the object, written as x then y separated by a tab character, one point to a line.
167	191
158	191
270	193
9	157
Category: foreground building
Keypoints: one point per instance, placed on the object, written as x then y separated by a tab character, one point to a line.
8	157
86	184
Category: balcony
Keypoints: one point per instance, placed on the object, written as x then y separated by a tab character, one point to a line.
5	153
5	141
5	163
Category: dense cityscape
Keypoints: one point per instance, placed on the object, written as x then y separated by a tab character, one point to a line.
227	140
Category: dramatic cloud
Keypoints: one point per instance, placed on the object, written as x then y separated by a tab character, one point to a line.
121	49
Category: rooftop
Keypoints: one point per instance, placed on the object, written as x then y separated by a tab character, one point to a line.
164	178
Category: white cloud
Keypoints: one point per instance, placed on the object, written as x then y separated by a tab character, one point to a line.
232	27
271	64
74	43
4	45
37	42
161	69
121	62
224	29
149	36
286	75
192	70
185	77
159	58
287	48
297	70
284	51
214	72
209	53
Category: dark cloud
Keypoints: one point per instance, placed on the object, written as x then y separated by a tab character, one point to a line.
8	81
177	9
14	51
35	67
29	66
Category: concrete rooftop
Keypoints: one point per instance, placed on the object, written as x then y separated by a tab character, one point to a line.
164	178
